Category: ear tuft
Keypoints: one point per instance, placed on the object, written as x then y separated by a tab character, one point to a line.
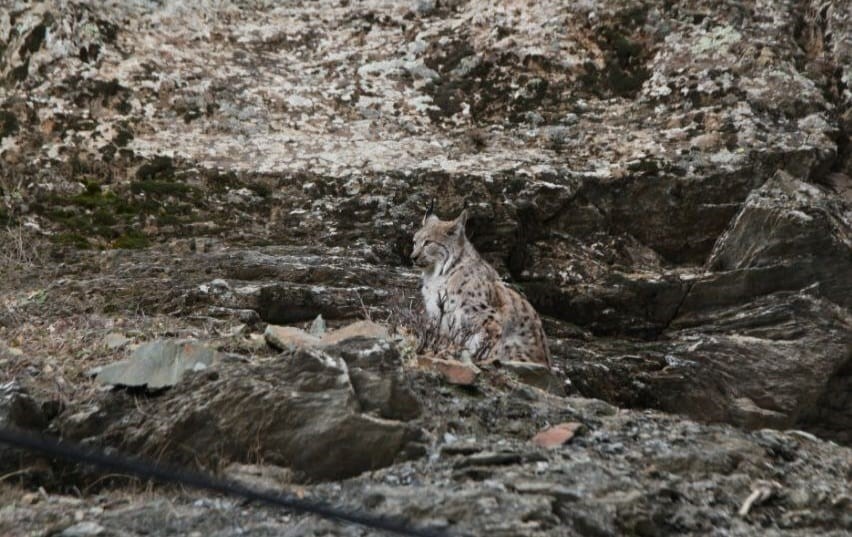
429	212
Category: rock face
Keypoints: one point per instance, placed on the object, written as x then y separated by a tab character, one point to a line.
667	182
801	228
18	411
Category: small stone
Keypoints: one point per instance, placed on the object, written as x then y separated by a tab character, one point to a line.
30	498
289	338
556	436
115	340
537	375
366	329
83	529
220	284
318	327
453	372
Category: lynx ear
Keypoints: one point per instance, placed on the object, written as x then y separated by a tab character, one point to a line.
429	212
461	221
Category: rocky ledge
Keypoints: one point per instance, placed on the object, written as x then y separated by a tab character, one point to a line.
669	184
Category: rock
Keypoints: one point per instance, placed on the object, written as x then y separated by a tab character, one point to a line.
286	338
556	436
358	329
31	498
453	371
158	364
301	412
800	227
668	183
377	375
115	340
83	529
774	362
537	375
19	411
318	327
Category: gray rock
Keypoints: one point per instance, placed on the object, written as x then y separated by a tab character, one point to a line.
290	338
801	228
158	364
302	411
18	408
83	529
774	362
291	153
318	327
19	411
377	375
115	340
536	375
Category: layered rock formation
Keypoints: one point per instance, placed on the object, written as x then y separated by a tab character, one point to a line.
668	183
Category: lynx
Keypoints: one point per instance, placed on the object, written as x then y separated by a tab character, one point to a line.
468	302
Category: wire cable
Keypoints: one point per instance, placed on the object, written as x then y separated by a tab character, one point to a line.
166	474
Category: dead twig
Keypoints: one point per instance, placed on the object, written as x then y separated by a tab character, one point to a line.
762	491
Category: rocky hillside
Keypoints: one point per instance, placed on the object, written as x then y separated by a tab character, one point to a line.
668	183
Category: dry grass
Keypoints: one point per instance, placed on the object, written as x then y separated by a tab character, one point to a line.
22	251
437	337
53	355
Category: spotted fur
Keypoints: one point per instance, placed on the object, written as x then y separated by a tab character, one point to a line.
465	297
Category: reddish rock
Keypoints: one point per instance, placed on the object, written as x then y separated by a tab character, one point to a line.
453	371
557	435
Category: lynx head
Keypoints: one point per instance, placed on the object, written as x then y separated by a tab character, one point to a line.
438	240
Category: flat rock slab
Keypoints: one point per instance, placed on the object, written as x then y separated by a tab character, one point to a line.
556	436
158	364
537	375
290	337
115	340
454	372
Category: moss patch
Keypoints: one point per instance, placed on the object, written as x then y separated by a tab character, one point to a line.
100	217
110	214
132	240
168	188
72	239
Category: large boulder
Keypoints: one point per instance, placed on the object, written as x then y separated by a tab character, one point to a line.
306	410
802	229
